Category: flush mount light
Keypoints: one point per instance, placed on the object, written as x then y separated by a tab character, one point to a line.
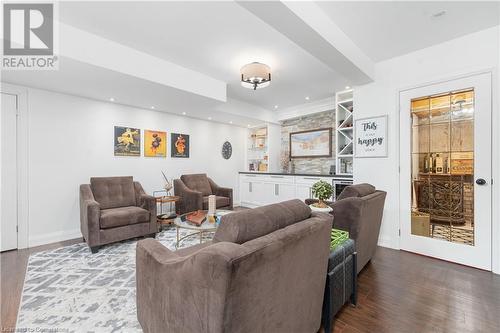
184	113
230	121
275	106
152	108
209	118
307	98
255	75
347	87
112	99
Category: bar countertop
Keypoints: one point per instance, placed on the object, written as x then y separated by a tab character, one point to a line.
296	174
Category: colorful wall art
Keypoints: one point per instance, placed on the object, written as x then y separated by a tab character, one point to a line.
179	144
127	141
155	143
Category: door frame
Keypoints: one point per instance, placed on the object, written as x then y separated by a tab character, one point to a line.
495	157
22	141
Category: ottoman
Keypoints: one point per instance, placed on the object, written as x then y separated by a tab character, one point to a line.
341	282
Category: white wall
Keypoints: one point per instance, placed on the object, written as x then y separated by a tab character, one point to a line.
71	140
468	54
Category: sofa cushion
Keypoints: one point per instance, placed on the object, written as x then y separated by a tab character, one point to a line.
358	190
242	226
122	216
219	202
113	192
198	182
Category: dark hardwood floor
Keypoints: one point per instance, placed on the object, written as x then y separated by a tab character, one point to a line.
398	292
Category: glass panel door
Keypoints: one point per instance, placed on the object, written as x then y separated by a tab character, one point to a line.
445	173
443	166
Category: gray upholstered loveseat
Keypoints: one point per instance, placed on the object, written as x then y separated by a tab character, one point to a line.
194	190
264	271
114	209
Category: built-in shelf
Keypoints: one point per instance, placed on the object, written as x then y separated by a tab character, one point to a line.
344	132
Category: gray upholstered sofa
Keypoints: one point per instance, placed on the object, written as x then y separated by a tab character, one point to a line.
264	271
113	209
359	209
194	190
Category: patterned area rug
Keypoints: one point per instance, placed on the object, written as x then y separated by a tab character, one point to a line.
72	290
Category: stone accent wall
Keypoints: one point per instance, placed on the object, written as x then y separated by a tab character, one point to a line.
309	122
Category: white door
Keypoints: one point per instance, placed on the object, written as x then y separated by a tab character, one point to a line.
8	181
445	177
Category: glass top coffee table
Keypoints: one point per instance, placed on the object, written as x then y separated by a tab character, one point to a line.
201	230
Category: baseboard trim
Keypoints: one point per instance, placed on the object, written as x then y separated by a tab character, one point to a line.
54	237
386	242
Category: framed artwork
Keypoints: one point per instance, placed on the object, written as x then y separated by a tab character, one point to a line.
370	137
127	141
179	144
155	143
311	143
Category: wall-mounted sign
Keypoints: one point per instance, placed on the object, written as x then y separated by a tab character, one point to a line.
370	137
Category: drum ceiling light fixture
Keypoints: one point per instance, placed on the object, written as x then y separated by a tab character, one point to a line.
255	75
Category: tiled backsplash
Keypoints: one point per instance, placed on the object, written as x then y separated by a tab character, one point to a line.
310	122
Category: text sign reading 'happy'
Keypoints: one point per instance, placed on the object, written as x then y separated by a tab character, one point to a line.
370	137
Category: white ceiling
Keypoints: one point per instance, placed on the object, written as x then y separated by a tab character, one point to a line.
217	38
214	38
389	29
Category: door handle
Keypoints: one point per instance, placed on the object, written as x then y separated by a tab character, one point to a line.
480	181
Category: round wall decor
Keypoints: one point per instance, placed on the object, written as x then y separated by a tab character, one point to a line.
227	150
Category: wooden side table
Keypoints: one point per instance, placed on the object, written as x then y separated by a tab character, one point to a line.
165	219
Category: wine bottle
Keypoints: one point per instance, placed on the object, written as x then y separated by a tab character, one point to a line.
439	164
431	163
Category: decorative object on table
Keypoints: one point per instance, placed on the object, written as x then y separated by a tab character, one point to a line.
196	218
194	190
127	141
211	209
370	137
227	150
323	191
201	229
168	184
338	237
106	217
155	143
255	75
179	145
311	143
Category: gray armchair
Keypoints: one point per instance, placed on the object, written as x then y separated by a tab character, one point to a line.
358	210
114	209
194	190
264	271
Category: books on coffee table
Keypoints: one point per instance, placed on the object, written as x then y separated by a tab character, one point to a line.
196	218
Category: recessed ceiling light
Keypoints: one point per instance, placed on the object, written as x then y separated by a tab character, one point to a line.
307	98
209	118
347	87
439	14
152	107
248	125
230	121
112	99
276	106
184	113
